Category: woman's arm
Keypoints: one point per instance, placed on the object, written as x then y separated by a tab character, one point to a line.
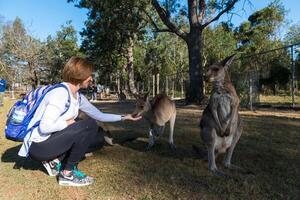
95	113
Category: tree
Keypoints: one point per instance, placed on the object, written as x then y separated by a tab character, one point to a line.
258	33
279	76
293	34
199	16
111	31
219	42
21	49
58	51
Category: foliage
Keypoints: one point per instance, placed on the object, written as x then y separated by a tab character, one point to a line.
279	76
293	34
111	31
57	51
219	42
20	54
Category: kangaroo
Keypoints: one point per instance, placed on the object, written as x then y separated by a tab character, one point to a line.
157	113
221	125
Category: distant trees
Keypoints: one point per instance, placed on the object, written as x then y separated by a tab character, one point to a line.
200	14
258	34
155	45
112	29
25	59
56	52
20	51
111	23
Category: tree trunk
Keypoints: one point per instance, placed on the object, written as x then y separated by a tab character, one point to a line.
33	76
194	43
181	85
153	84
130	71
173	87
123	80
167	86
149	85
157	84
118	83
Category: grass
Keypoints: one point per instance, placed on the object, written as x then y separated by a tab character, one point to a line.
269	147
279	99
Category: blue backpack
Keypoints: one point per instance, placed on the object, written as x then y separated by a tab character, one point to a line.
17	122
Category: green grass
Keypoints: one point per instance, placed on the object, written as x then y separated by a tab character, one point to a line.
269	147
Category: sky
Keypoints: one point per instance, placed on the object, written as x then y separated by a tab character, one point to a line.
45	17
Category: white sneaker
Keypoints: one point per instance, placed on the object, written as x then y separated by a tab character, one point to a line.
52	167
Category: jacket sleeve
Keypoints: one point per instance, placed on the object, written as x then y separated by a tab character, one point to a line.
88	108
55	105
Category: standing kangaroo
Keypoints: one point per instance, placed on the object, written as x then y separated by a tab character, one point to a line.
221	123
157	113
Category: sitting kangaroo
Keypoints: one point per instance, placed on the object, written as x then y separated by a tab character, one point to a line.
157	113
221	123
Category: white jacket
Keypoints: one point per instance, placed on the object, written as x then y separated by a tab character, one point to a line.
49	111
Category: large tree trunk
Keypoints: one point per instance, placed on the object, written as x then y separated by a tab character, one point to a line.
196	14
195	90
130	71
33	76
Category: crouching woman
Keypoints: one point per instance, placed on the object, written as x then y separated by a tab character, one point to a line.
59	141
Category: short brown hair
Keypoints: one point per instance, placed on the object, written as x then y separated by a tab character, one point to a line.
77	70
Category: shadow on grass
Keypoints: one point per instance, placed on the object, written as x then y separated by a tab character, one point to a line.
11	156
161	148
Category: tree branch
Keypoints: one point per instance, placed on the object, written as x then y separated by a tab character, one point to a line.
228	8
156	28
192	12
202	8
166	20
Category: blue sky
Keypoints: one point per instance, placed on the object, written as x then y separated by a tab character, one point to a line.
44	17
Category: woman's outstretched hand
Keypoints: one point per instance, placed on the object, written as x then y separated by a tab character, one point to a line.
130	117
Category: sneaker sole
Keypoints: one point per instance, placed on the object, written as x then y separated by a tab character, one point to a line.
68	183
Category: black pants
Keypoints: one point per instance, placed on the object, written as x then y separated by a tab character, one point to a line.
70	144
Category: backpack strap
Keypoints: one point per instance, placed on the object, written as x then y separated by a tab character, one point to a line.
29	116
69	96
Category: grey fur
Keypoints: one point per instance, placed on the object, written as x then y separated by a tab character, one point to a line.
157	113
221	125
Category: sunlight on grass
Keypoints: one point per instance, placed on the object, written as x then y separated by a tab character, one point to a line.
284	99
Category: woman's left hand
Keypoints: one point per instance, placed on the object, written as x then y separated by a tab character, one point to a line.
130	117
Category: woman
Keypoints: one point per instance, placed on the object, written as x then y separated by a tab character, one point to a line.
60	142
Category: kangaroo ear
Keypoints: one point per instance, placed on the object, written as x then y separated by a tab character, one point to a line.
227	61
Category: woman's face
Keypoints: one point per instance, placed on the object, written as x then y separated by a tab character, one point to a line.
86	82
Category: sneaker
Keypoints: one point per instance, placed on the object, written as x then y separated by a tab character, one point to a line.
52	167
74	178
80	173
